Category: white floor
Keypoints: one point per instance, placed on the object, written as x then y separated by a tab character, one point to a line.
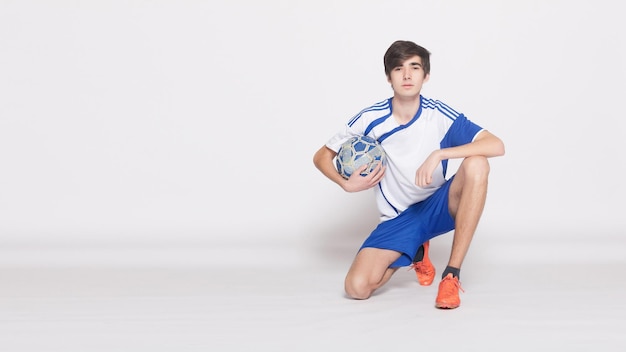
517	298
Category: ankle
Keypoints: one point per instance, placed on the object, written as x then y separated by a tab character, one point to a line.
419	256
456	272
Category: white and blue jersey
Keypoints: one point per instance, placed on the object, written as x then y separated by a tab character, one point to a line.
434	126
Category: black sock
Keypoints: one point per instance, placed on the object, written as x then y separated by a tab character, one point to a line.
456	272
419	256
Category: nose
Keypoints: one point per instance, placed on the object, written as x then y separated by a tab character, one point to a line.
407	74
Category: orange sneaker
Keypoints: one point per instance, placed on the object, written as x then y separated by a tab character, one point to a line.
424	269
448	296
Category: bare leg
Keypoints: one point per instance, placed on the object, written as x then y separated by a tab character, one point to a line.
369	271
468	193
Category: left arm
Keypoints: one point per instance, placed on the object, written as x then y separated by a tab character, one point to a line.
485	144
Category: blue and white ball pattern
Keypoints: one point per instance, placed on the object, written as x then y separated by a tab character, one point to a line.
359	151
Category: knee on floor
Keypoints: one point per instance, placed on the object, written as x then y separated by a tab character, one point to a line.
358	288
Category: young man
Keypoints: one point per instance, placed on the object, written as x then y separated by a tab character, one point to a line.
415	200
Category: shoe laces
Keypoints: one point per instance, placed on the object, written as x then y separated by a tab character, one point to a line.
456	285
422	268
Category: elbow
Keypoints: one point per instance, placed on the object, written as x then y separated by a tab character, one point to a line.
500	150
318	157
493	145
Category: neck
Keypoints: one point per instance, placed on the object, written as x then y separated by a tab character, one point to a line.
404	108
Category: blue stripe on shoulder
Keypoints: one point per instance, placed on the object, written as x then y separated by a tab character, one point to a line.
376	122
376	107
441	107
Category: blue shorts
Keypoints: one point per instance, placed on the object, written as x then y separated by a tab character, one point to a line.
417	224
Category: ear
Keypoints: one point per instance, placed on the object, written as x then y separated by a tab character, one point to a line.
426	77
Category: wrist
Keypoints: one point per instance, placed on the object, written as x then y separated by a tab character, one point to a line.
440	154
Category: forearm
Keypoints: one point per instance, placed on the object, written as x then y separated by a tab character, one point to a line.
323	162
486	144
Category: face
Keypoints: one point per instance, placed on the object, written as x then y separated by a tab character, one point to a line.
407	79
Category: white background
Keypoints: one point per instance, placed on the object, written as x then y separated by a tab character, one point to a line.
171	121
157	190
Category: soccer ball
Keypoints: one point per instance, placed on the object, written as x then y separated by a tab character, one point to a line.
359	151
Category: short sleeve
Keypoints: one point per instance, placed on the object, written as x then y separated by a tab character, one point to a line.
462	131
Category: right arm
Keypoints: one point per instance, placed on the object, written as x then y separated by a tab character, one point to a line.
323	160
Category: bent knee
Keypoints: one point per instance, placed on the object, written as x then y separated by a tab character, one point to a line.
358	288
476	167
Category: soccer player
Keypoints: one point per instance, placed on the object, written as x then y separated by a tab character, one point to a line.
415	198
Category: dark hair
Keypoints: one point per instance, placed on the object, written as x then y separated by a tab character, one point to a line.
401	50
